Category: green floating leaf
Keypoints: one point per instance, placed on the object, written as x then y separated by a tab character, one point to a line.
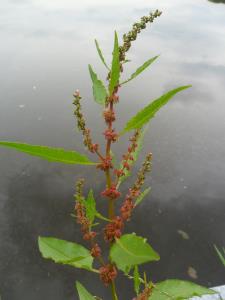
90	206
135	155
221	254
83	293
65	252
99	90
141	197
144	116
100	54
141	69
137	281
50	154
115	69
131	250
177	290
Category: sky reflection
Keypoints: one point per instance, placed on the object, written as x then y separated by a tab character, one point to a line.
47	47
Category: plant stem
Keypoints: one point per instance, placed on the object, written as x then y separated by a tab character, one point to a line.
111	209
113	288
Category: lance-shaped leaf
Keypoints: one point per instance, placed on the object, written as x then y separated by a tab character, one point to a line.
137	281
221	254
115	69
100	54
90	206
131	250
141	69
65	252
83	293
91	211
177	289
99	90
144	116
49	153
135	155
141	197
101	217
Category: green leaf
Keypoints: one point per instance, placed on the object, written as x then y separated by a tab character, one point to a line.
141	197
90	206
115	69
101	217
144	116
99	90
50	154
221	254
137	281
135	155
100	54
141	69
177	289
65	252
83	293
131	250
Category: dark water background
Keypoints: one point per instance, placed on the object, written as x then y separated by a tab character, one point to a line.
45	48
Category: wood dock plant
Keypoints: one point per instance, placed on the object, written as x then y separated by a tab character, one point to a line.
126	251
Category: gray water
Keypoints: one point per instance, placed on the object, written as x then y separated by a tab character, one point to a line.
45	48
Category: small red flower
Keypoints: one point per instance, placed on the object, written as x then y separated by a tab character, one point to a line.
114	98
89	235
114	229
111	135
109	116
108	273
126	165
119	173
111	192
94	147
96	250
134	193
126	208
105	164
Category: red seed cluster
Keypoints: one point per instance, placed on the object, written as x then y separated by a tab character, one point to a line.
89	235
111	192
88	141
110	135
126	208
144	295
146	167
108	273
113	229
105	164
128	204
96	250
128	157
109	116
81	124
81	213
114	98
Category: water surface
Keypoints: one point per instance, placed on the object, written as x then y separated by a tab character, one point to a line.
45	49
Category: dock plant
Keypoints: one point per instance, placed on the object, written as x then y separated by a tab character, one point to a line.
122	253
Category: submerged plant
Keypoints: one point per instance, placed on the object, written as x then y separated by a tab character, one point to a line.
126	251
